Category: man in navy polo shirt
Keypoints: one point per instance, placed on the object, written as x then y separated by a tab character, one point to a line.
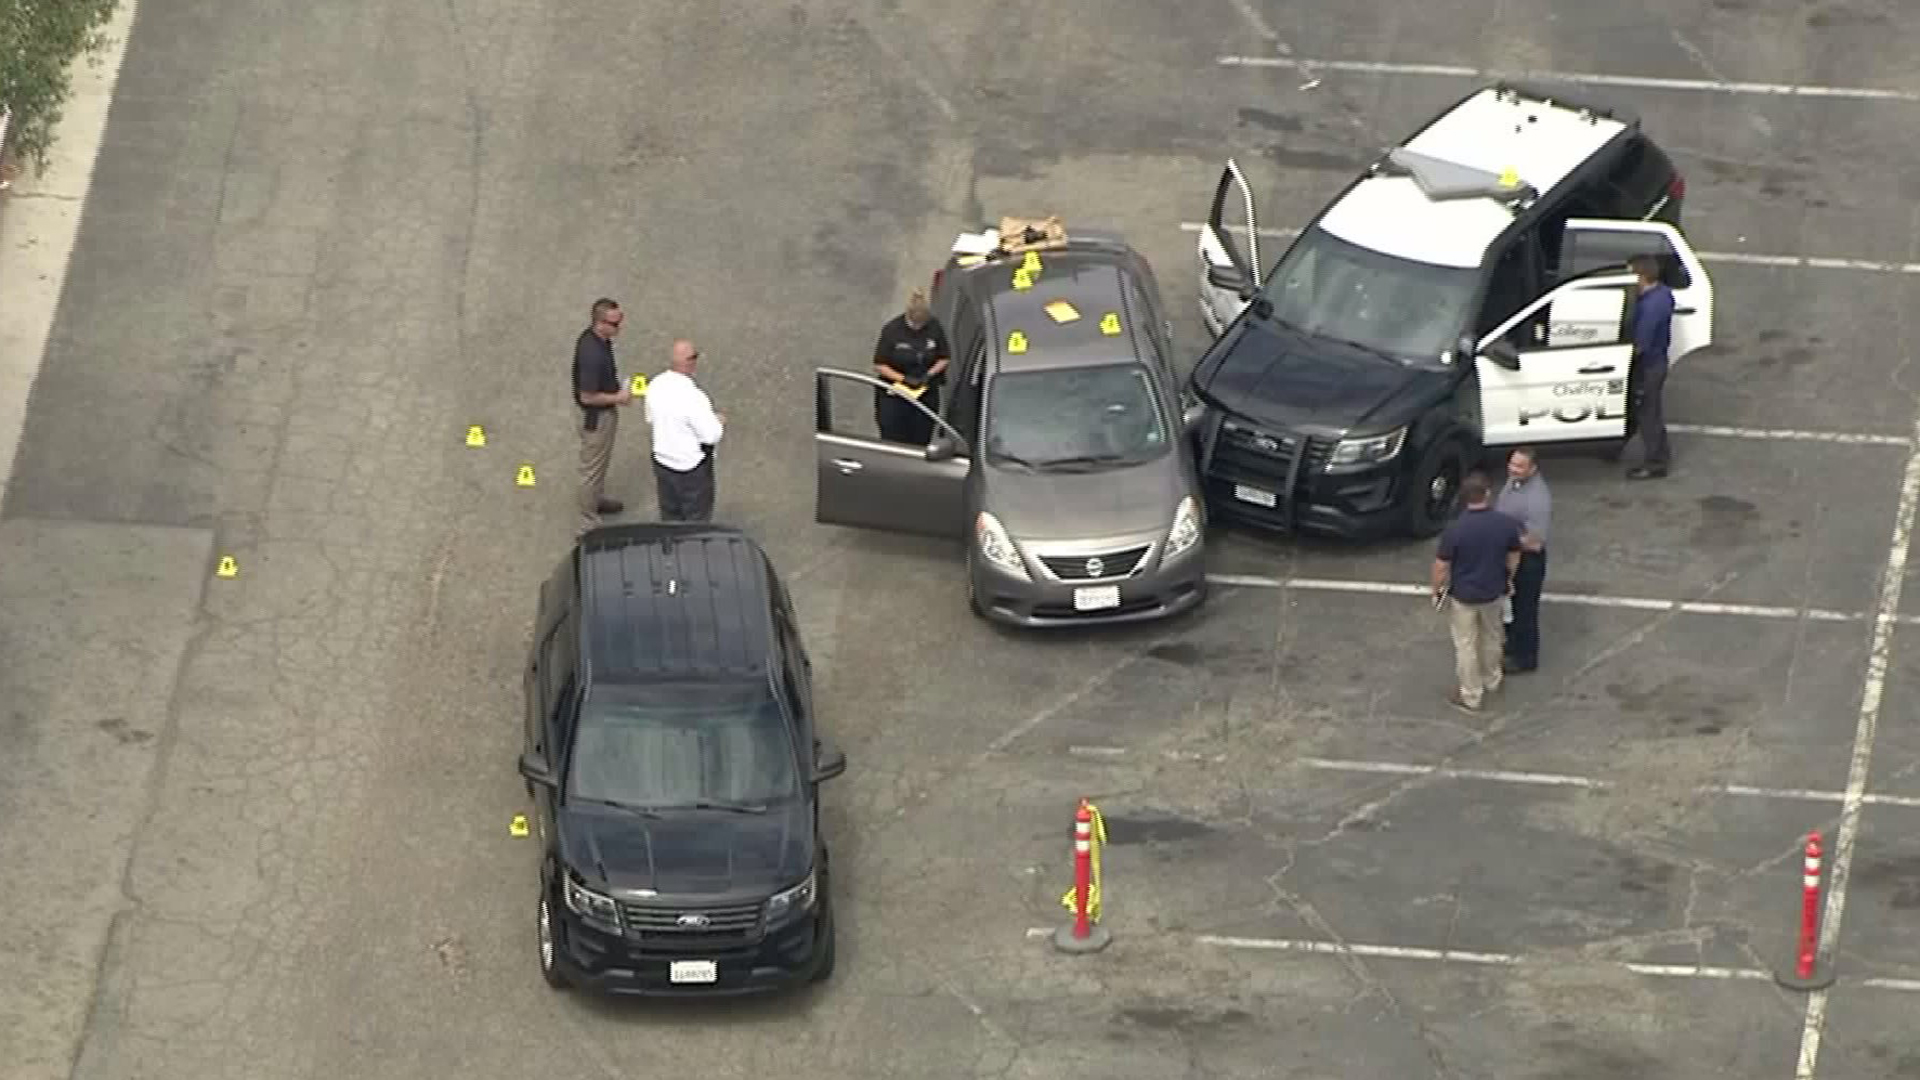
1473	572
1652	337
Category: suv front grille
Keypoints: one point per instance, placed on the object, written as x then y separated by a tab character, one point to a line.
1277	463
1105	564
677	929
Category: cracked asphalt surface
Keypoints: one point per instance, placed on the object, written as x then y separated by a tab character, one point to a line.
257	826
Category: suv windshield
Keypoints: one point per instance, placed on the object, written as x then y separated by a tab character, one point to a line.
1083	417
1335	289
678	746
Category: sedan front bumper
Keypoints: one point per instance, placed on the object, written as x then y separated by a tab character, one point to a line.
1048	597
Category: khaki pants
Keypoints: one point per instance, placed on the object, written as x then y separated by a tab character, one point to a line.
1479	641
596	453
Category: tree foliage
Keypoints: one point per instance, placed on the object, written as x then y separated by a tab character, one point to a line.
39	41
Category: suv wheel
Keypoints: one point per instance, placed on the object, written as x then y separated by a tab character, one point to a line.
1435	492
824	970
549	946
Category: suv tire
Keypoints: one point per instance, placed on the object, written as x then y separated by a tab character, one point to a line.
549	943
1434	495
824	970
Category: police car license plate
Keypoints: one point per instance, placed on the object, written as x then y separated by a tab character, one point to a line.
693	971
1255	495
1096	598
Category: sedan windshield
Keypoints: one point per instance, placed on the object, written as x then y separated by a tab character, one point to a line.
1084	417
683	747
1335	289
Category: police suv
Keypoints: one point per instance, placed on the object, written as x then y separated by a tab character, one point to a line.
1467	291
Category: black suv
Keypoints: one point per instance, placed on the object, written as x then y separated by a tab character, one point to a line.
673	762
1467	291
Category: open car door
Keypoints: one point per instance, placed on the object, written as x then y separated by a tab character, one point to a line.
1557	370
865	482
1229	251
1594	244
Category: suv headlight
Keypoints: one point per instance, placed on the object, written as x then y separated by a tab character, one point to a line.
788	903
1186	527
1368	451
996	547
591	905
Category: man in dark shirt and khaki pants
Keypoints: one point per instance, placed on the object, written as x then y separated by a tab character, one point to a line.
597	390
1473	572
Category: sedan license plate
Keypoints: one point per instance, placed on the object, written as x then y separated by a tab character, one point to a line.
693	971
1255	495
1096	598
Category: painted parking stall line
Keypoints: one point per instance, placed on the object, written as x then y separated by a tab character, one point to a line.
1586	783
1642	82
1628	603
1470	958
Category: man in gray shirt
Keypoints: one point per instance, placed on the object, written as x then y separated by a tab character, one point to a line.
1527	500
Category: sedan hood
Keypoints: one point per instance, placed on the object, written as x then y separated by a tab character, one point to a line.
1300	382
689	852
1087	505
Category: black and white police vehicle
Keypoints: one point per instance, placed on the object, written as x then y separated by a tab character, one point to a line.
1467	291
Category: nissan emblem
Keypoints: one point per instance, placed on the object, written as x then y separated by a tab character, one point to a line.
1095	567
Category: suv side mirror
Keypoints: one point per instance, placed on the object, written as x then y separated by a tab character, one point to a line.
535	769
942	448
828	761
1228	277
1502	353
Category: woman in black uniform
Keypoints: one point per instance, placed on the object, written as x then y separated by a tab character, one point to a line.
912	356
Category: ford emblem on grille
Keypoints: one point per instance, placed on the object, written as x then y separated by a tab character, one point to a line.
1267	443
1095	567
693	922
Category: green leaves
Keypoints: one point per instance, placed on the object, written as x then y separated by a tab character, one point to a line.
39	41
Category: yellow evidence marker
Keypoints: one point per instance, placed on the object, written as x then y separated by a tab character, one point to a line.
1110	323
1022	279
1031	264
1016	343
639	386
525	479
518	826
476	437
227	568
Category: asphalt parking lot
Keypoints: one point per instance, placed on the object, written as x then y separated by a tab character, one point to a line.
284	818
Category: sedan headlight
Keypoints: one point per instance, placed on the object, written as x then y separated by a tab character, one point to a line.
788	903
996	547
591	905
1368	451
1186	527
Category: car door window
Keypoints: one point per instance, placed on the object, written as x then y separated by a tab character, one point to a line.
1587	250
963	410
1513	284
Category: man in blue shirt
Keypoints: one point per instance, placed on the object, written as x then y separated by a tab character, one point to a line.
1473	572
1652	336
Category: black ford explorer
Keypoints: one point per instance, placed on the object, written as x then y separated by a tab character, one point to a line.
674	765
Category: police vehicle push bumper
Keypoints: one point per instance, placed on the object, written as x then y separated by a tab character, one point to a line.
720	959
1120	579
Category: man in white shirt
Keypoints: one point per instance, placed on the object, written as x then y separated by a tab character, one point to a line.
685	431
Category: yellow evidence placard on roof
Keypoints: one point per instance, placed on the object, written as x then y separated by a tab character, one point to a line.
1016	342
1110	323
1062	312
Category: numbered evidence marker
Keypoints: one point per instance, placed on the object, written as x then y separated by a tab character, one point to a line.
1031	264
525	478
1022	278
227	568
1016	343
518	826
475	436
639	386
1110	323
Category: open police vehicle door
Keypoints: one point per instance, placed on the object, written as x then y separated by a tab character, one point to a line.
866	482
1556	371
1229	251
1593	244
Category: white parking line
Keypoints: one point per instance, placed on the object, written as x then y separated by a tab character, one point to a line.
1645	82
1743	258
1893	578
1632	603
1488	959
1588	783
